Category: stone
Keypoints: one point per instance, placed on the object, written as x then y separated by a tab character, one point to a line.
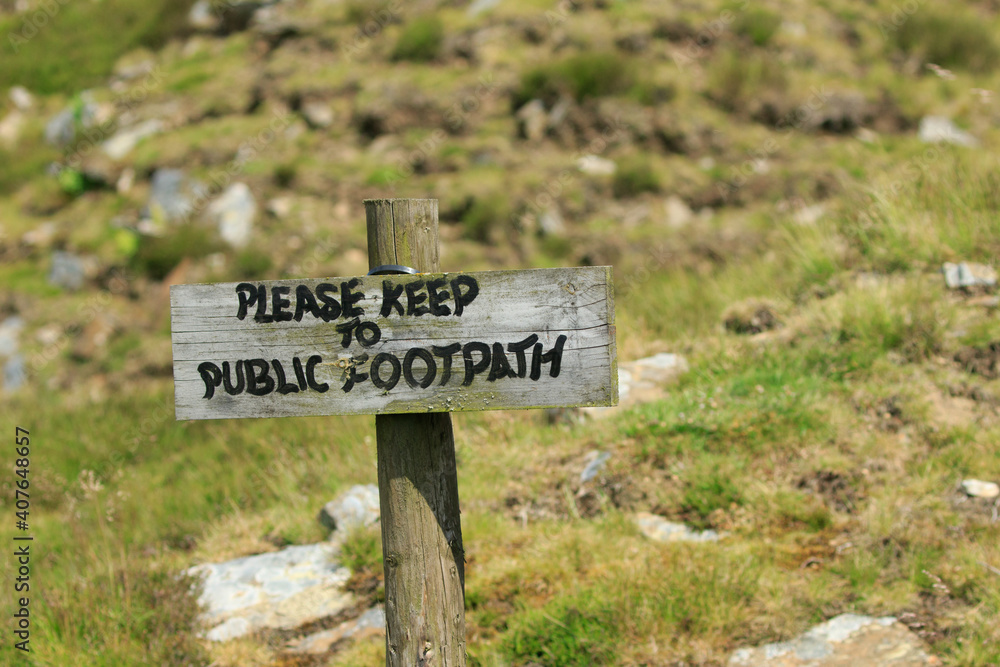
677	212
596	465
358	506
10	128
642	381
202	17
938	129
532	120
551	223
14	373
593	165
280	207
68	271
318	114
124	141
172	195
980	489
659	529
843	641
280	590
21	98
62	128
10	332
477	7
969	275
41	236
369	624
234	212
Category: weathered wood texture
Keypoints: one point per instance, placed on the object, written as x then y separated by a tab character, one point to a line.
511	307
418	482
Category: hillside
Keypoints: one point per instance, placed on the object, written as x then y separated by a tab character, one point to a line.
779	187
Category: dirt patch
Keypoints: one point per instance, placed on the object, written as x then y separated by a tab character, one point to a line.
753	316
982	361
835	489
568	497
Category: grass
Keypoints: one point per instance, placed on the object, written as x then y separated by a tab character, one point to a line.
829	449
38	57
955	39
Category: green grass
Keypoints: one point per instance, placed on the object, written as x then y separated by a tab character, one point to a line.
953	39
71	51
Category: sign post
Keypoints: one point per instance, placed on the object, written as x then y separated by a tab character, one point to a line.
422	553
410	348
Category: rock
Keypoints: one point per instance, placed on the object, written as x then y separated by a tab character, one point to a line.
642	381
14	373
532	121
979	489
477	7
551	223
280	207
125	181
10	332
41	236
172	195
969	275
358	506
21	98
847	639
234	212
94	337
124	141
592	165
202	17
68	271
809	215
659	529
318	114
596	465
678	213
369	624
62	128
280	590
938	129
10	128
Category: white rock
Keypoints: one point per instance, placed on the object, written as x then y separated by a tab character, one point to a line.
980	489
284	589
938	129
234	212
594	165
677	211
124	141
10	128
659	529
358	506
968	274
21	98
317	114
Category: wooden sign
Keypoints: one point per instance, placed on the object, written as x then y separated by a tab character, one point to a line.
441	342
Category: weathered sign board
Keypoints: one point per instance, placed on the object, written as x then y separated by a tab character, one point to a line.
439	342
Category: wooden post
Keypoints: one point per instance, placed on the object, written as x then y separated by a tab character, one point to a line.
417	480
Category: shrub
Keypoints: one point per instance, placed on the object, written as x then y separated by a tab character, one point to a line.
949	39
735	79
758	25
420	40
158	255
581	76
634	176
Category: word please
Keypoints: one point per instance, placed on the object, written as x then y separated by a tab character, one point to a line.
328	302
419	368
